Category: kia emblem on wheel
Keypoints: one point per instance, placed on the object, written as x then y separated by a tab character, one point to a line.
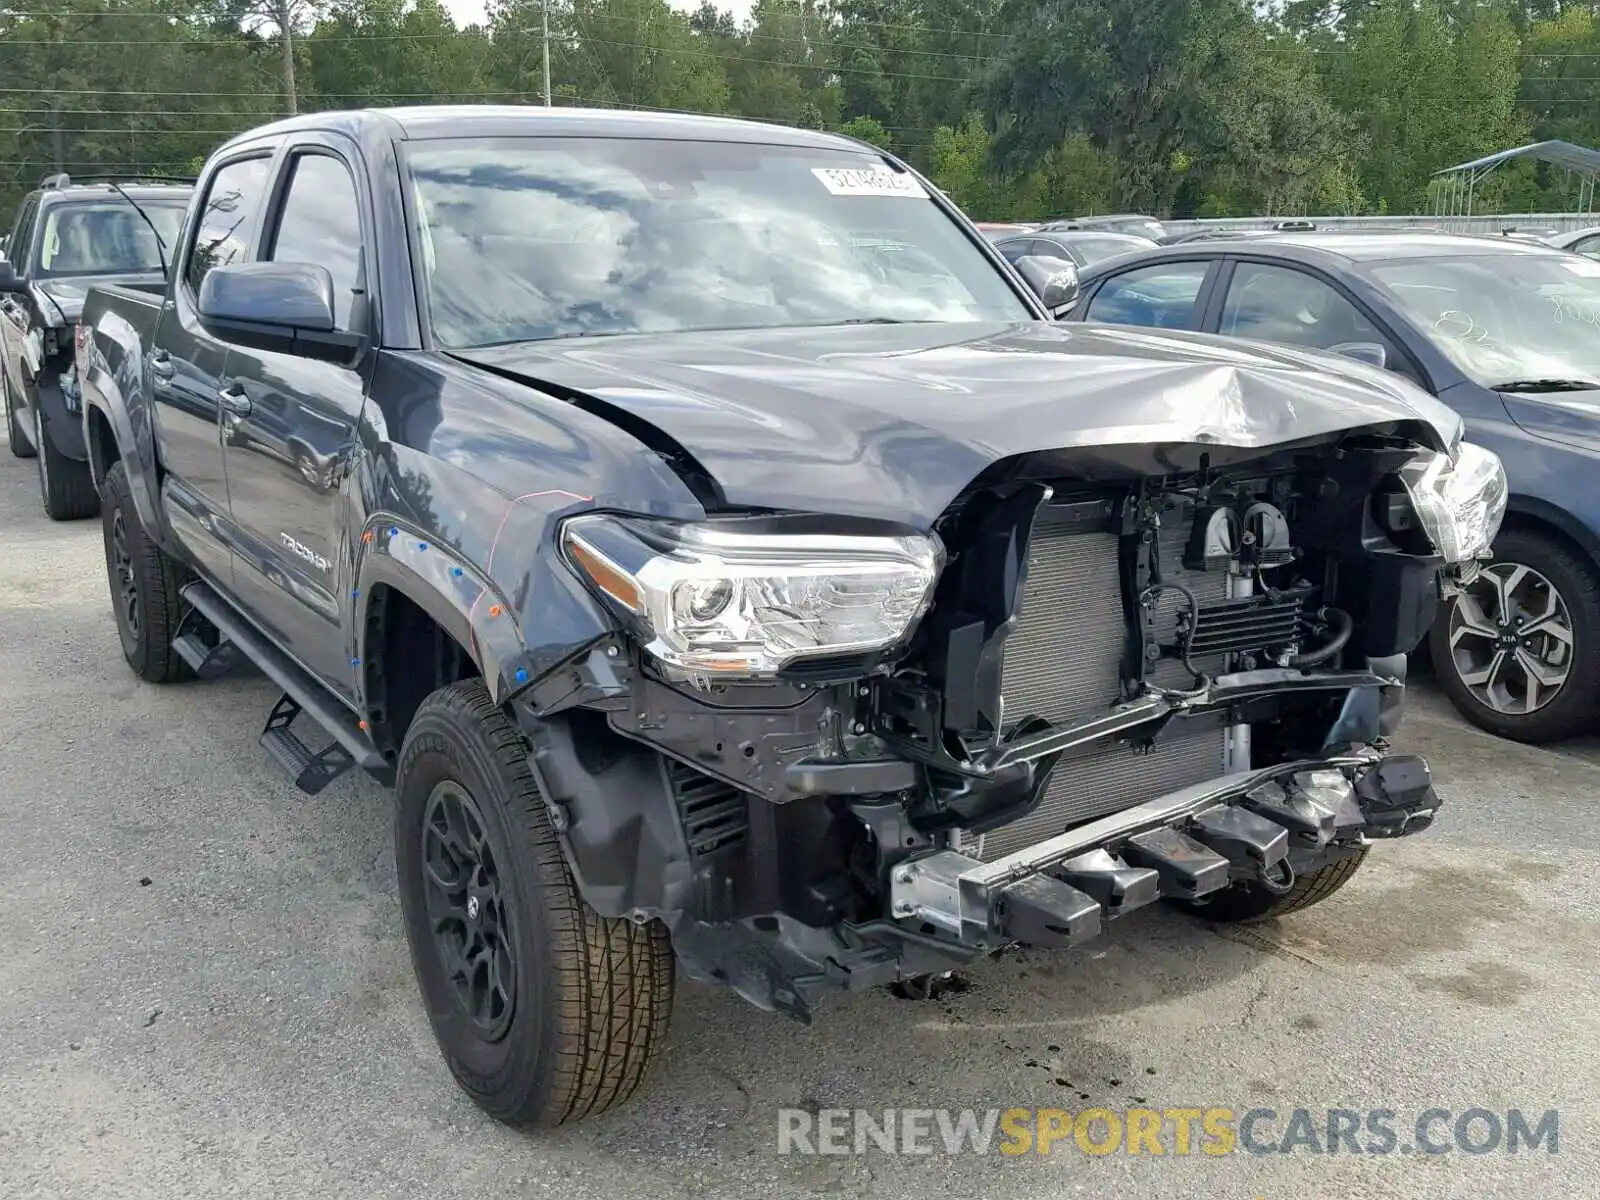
472	907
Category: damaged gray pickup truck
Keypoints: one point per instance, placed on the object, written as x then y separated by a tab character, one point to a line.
732	566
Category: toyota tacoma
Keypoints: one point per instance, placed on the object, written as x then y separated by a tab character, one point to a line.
736	572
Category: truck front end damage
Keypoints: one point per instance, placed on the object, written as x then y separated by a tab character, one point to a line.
840	753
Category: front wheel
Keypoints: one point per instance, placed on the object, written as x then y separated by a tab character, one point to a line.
544	1010
1518	652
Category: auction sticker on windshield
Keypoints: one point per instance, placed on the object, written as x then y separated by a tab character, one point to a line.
869	181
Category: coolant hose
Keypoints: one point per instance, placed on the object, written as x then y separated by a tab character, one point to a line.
1343	627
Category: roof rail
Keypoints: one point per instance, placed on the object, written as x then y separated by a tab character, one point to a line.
56	182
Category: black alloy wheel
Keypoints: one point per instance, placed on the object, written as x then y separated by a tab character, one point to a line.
471	924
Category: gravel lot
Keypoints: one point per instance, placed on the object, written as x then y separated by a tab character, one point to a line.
205	990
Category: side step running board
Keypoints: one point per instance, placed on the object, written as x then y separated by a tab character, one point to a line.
312	770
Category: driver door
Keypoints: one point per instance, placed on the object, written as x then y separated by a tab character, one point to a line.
289	429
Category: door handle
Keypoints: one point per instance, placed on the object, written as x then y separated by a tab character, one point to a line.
161	364
233	400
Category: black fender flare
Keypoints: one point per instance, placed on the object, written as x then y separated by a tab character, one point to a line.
63	427
142	484
392	552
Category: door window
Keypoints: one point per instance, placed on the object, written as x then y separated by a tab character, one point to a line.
1281	304
228	219
321	223
1162	295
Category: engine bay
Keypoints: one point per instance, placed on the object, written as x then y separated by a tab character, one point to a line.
1140	630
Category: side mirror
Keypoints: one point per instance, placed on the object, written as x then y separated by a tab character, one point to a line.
9	283
1371	353
284	307
1053	280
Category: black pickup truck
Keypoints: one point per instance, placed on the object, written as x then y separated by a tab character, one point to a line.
69	236
734	570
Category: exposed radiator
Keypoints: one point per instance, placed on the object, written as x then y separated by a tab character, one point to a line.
1063	663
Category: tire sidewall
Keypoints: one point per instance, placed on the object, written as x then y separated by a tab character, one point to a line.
503	1075
42	436
1575	705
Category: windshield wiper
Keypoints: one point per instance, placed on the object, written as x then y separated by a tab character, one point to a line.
161	245
1548	385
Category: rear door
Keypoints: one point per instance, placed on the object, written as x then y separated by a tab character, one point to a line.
186	365
292	432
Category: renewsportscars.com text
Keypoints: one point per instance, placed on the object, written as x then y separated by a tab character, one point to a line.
1212	1132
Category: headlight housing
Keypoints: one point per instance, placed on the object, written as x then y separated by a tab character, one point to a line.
752	598
1460	500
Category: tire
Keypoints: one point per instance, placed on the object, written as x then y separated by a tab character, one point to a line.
1250	903
66	484
1546	576
144	586
15	438
571	1007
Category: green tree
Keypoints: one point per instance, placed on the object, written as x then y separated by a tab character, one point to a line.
868	129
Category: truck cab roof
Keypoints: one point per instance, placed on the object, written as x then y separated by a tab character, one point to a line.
517	120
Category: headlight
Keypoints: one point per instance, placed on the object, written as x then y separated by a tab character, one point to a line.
734	600
1459	503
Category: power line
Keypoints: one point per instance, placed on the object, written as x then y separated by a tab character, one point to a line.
826	67
229	39
256	94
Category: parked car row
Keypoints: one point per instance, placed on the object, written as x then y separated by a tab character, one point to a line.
735	566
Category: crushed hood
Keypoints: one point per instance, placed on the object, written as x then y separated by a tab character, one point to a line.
893	421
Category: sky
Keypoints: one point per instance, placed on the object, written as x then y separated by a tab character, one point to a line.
470	12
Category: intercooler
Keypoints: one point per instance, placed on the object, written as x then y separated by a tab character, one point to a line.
1063	663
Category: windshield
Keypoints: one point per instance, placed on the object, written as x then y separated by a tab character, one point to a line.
1506	318
106	237
535	238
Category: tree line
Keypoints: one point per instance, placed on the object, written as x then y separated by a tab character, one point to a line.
1017	108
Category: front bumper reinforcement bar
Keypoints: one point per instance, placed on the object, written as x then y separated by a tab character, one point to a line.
1265	826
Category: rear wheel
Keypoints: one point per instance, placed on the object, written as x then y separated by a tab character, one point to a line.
1518	653
144	586
18	441
1249	903
66	484
544	1010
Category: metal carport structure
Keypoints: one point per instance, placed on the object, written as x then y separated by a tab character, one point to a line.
1455	200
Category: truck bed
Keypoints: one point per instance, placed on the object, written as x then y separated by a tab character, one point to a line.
122	319
121	322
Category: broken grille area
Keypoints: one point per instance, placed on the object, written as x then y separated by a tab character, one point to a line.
1063	663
